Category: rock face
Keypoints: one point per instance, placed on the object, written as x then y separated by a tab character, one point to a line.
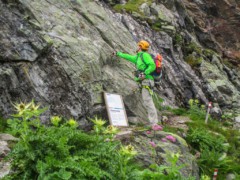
60	54
220	19
159	153
4	150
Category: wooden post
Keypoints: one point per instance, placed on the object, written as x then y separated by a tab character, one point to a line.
208	110
215	174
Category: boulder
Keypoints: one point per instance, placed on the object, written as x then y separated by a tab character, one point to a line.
141	142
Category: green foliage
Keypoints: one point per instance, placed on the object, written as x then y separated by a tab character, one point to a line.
157	101
193	47
131	5
179	111
3	124
212	159
227	116
61	151
170	172
178	40
193	61
209	53
212	140
196	111
205	177
201	139
227	62
156	26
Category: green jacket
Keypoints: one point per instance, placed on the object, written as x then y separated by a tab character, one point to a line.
148	66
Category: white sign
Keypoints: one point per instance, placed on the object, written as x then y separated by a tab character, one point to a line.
116	110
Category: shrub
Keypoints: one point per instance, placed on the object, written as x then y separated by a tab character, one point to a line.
201	139
196	111
61	151
179	111
212	140
212	159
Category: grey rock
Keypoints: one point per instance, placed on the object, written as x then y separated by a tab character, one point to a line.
141	144
7	137
4	148
236	124
5	168
61	56
145	9
216	112
231	176
237	119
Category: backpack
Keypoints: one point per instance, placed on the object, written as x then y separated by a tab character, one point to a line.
157	74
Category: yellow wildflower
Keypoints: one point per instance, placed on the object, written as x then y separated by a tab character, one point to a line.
21	107
55	120
34	107
72	123
98	122
196	101
190	102
128	150
111	130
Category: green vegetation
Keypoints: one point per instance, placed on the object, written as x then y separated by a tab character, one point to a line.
157	172
3	124
62	151
193	47
179	111
193	54
209	53
131	6
228	64
217	144
193	61
157	101
156	26
178	40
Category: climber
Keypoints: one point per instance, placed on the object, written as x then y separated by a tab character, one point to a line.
143	76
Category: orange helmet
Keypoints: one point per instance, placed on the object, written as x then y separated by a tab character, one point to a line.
144	45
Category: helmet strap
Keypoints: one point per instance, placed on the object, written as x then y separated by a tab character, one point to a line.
139	49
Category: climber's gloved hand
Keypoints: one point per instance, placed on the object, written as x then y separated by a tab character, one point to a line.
114	53
141	76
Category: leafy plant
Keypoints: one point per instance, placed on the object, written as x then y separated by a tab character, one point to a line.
212	140
196	111
3	124
211	160
179	111
61	151
202	139
165	172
